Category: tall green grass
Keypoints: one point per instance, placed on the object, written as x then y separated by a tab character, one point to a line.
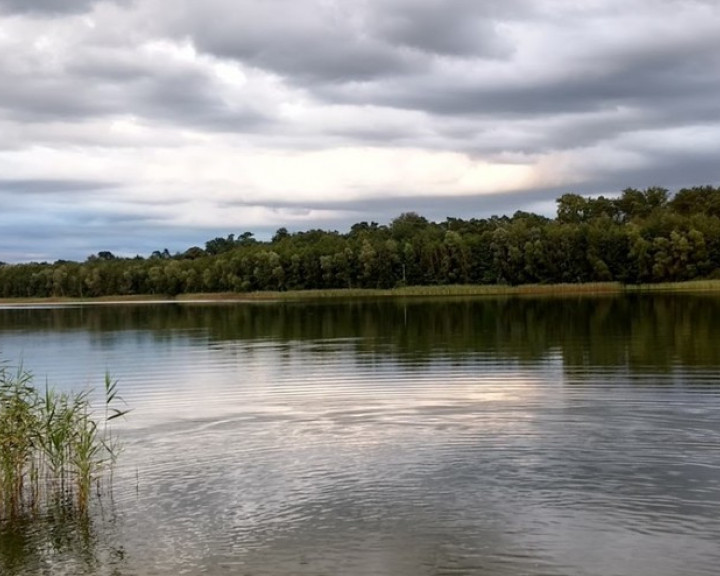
53	447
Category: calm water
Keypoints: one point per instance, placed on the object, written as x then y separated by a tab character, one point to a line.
491	437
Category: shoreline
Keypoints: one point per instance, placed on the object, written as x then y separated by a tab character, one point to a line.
588	289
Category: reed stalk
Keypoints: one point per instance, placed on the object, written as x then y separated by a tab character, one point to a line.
52	447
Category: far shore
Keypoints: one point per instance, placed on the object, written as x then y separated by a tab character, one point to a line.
589	289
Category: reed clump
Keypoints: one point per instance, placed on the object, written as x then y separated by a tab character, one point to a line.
53	447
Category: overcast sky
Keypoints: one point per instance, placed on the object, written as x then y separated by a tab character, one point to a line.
137	125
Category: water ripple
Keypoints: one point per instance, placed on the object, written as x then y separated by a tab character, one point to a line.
341	456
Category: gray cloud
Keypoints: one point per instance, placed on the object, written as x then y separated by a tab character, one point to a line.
52	7
625	94
671	170
49	186
401	55
318	41
384	209
118	83
310	44
463	28
47	221
657	76
45	6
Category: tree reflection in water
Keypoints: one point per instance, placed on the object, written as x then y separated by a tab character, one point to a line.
62	542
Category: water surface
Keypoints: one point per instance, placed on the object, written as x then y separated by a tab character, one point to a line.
576	436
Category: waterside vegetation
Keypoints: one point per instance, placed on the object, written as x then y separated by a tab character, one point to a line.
401	293
53	449
641	237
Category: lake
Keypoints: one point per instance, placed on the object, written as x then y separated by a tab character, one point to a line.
496	436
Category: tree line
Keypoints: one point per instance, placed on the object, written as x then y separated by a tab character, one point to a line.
640	236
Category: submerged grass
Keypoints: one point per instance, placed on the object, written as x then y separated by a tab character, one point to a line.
52	447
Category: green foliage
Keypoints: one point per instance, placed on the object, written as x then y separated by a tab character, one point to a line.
52	448
638	237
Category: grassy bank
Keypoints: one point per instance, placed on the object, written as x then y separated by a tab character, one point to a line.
417	292
405	292
690	286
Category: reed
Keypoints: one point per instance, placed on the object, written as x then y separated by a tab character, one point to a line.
451	290
685	287
467	290
53	448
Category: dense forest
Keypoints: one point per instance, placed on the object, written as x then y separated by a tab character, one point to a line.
641	236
